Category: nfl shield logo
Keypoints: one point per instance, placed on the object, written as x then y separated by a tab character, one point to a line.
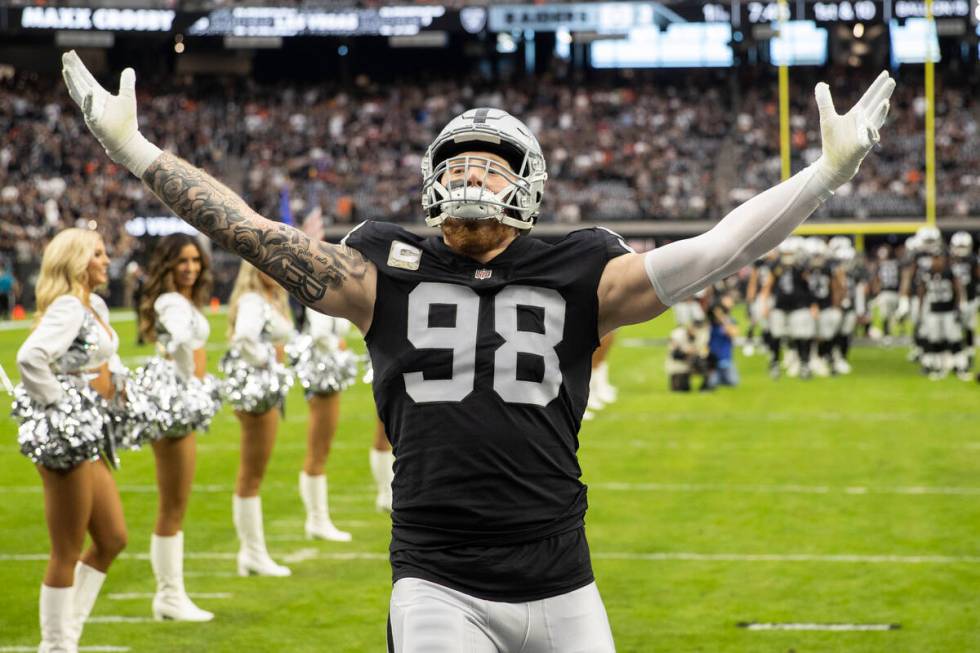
483	274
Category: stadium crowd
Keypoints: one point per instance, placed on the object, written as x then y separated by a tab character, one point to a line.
653	150
894	184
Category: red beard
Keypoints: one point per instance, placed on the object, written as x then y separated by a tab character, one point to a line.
475	237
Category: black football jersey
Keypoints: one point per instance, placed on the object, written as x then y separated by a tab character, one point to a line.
940	291
764	271
854	277
967	270
820	281
889	275
790	288
481	377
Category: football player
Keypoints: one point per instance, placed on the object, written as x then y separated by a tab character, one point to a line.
792	314
481	339
966	267
825	290
941	299
909	306
760	273
851	282
886	281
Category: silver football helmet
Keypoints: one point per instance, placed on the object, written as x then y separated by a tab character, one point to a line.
930	241
961	244
816	250
459	190
839	242
791	250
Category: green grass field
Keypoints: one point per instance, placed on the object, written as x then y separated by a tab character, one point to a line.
849	500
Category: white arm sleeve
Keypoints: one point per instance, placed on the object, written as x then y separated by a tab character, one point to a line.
680	269
52	337
249	323
177	317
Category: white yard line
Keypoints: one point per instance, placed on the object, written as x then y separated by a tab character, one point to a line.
837	628
221	488
785	489
33	649
118	619
132	596
667	556
750	488
792	557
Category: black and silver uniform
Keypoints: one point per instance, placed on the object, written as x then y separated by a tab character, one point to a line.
763	272
854	276
481	377
967	270
940	290
889	275
820	282
790	287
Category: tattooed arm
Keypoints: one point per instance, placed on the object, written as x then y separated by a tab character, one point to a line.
332	279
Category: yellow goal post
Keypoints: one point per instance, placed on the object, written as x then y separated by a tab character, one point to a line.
861	228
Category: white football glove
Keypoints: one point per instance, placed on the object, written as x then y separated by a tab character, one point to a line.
903	308
111	118
847	139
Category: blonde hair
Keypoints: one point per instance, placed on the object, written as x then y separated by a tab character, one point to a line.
64	267
248	280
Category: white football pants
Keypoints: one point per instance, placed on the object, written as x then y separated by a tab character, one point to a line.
429	618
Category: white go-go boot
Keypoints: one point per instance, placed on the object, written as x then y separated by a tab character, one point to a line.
253	557
313	491
171	600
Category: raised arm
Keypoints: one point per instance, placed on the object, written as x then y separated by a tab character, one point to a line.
332	279
638	287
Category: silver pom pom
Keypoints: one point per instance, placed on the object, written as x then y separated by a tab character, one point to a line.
253	389
321	371
66	433
131	412
175	406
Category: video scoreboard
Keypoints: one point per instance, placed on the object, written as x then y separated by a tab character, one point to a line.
620	34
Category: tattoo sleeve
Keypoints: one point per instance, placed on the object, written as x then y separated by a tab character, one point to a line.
306	268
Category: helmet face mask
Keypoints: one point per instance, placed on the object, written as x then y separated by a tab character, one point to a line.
490	131
473	187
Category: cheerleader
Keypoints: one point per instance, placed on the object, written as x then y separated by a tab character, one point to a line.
324	367
382	462
380	457
68	365
178	284
256	384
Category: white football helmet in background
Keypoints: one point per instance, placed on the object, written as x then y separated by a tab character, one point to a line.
791	250
930	241
839	243
961	244
816	250
489	130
